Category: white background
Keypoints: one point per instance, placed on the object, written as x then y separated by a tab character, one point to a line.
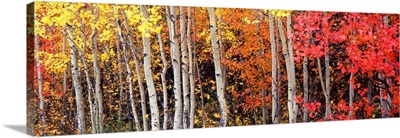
13	73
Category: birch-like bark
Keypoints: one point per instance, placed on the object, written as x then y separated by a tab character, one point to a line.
97	87
275	93
155	115
163	81
351	84
279	74
77	85
351	95
176	64
328	111
305	88
88	81
40	86
121	87
130	75
191	72
292	67
287	49
222	49
324	90
137	69
185	69
305	85
217	65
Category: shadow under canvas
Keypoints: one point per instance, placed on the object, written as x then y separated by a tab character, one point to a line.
19	128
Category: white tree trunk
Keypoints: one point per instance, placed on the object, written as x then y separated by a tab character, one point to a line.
163	81
275	100
155	116
137	69
130	75
40	87
288	54
99	95
217	65
191	72
324	90
88	81
328	111
176	63
77	85
185	70
351	95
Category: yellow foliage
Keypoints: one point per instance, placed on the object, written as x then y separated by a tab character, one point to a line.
279	13
217	115
207	96
56	63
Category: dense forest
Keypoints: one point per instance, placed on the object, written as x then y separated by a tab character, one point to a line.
102	68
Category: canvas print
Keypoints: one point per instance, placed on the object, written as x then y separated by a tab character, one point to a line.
107	68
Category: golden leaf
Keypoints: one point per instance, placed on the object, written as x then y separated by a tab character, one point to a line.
217	115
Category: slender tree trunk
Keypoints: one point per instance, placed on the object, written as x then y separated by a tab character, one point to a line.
222	49
176	64
275	100
137	69
40	89
292	67
384	98
217	65
130	75
121	87
351	84
202	96
288	54
328	111
191	72
64	43
185	70
155	115
369	93
324	90
163	81
97	87
120	67
64	97
351	95
279	75
305	88
88	81
77	85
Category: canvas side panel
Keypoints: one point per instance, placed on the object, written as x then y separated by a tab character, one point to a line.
31	96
